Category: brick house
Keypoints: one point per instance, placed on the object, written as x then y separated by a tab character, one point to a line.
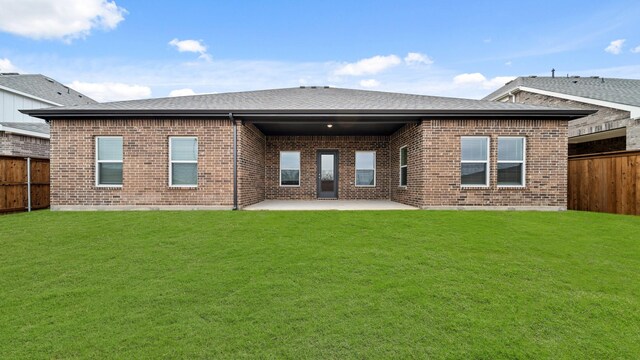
236	149
615	125
23	135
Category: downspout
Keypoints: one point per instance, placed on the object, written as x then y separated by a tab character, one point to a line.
512	97
235	162
29	184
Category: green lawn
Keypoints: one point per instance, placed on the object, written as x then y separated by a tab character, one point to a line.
322	285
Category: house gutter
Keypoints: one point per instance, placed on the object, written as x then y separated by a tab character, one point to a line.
235	162
313	115
7	129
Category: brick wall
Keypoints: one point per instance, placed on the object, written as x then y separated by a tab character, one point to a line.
19	145
145	167
433	163
633	134
251	160
546	166
411	136
308	147
605	119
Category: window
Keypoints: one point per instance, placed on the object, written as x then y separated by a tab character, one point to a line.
511	161
289	168
474	167
403	166
365	168
183	161
109	161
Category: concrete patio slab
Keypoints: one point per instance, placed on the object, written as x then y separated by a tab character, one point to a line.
329	205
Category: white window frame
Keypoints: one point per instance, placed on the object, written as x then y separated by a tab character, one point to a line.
171	162
375	172
487	182
97	172
280	167
523	162
401	166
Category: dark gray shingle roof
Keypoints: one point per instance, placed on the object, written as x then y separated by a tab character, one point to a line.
44	88
42	128
621	91
309	99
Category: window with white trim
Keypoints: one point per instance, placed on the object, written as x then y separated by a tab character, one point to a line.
403	165
474	165
109	161
511	161
183	161
290	168
365	168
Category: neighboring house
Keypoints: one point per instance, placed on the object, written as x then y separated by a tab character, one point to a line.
23	135
236	149
614	127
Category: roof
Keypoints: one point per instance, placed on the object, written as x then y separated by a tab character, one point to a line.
316	101
621	91
26	128
42	87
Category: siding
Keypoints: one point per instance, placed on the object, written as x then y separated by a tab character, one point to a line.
10	103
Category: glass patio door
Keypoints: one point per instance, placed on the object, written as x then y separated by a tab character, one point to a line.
327	165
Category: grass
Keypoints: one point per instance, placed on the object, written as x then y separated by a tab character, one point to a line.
419	284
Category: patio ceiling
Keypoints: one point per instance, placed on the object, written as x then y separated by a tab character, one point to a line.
329	127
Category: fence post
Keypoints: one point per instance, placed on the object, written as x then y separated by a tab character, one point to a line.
29	184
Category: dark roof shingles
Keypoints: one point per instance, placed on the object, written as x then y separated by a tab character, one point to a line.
45	88
621	91
292	99
38	127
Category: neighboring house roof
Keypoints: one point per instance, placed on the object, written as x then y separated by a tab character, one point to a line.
33	129
308	101
623	94
42	88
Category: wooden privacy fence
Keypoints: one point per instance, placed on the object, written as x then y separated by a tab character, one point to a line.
24	183
607	182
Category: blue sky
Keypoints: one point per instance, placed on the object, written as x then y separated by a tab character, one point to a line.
122	49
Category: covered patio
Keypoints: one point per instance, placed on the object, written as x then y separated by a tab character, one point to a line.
329	205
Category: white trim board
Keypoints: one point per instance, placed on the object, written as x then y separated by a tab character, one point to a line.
633	110
7	129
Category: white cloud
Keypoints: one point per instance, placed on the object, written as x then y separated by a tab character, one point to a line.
473	78
369	83
195	46
188	45
111	91
497	82
372	65
636	50
7	66
479	80
54	19
414	58
165	75
615	47
508	63
182	92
